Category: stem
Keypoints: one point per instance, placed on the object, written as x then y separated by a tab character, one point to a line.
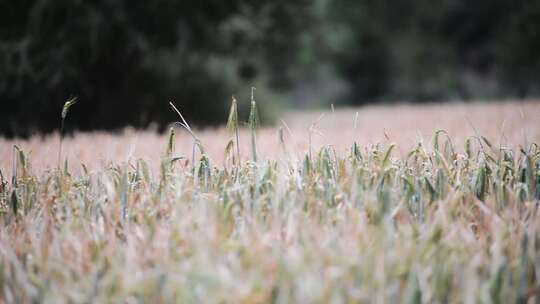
253	122
309	143
14	168
186	126
254	145
237	144
193	152
60	144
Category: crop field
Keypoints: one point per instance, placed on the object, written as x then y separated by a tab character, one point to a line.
381	204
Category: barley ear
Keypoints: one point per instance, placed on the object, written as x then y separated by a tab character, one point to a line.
232	121
232	125
67	105
65	109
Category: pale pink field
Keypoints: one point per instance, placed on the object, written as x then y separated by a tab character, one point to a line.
509	123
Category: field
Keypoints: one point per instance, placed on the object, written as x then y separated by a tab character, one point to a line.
414	204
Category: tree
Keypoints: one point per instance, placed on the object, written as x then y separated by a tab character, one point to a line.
125	60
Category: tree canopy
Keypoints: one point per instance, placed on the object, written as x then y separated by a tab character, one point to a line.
125	60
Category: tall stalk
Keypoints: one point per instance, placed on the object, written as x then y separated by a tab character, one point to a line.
232	126
65	110
253	125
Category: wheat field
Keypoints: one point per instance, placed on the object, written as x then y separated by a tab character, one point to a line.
381	204
506	123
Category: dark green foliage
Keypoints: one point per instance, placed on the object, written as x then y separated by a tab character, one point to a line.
132	58
426	50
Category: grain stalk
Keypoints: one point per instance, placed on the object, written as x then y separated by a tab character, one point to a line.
196	141
14	178
355	151
65	110
253	124
170	143
232	126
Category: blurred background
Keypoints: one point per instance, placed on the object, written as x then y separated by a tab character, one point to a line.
125	60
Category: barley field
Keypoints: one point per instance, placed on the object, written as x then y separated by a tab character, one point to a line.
381	204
